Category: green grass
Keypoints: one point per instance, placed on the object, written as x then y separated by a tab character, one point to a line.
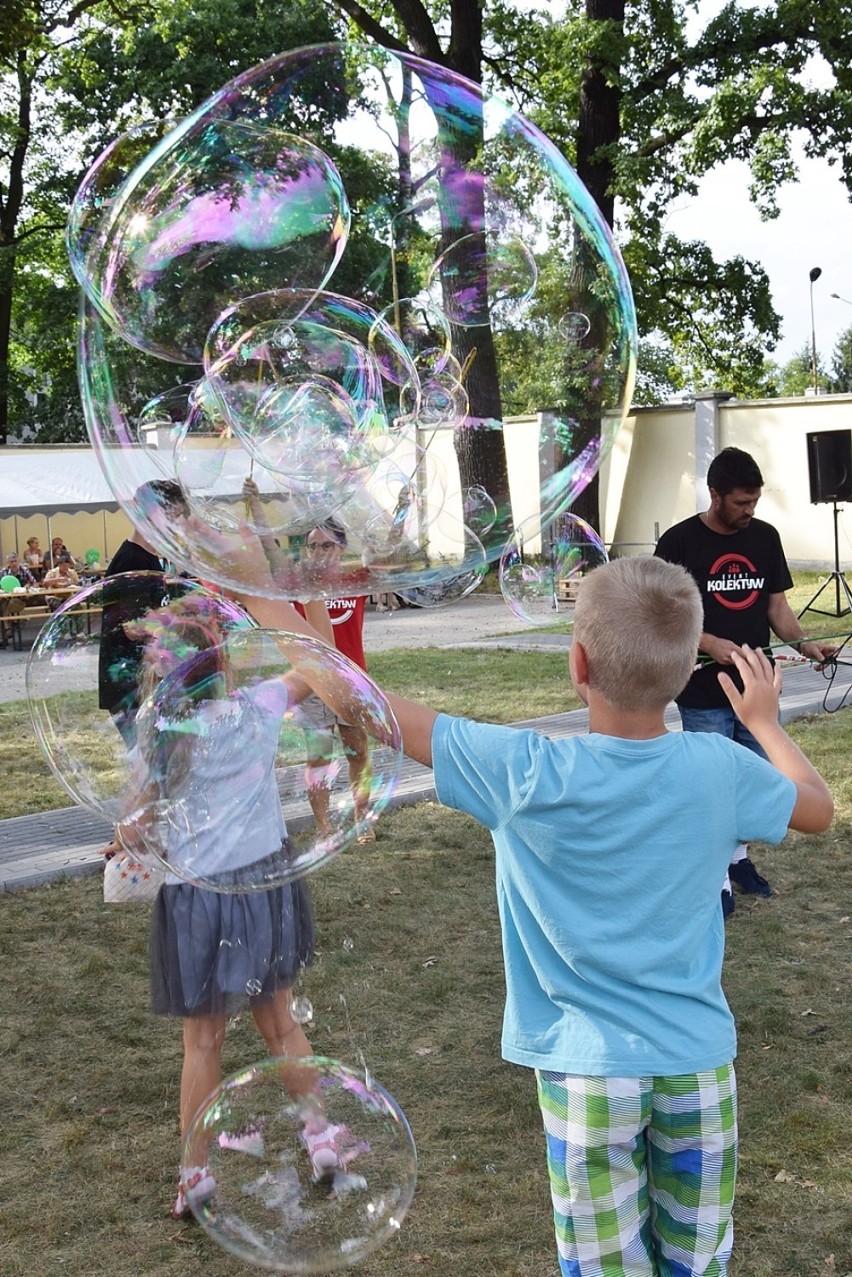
496	685
409	980
815	625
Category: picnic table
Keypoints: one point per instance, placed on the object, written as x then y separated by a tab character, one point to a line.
36	608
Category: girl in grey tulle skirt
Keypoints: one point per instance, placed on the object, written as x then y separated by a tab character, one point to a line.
215	951
212	953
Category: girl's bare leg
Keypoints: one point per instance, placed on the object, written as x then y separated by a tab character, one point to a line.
203	1036
322	1139
356	746
284	1036
318	779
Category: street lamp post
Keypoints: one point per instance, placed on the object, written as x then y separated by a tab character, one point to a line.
847	372
813	277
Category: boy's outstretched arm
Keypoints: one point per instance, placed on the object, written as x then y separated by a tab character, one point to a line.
756	706
415	721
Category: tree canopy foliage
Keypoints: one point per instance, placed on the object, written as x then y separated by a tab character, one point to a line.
750	84
73	75
646	99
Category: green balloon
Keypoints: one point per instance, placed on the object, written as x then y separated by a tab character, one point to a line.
9	583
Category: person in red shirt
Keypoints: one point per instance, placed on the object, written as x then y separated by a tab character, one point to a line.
324	547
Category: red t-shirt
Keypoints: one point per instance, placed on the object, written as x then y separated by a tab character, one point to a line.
347	623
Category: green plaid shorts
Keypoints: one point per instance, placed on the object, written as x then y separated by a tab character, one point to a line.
642	1172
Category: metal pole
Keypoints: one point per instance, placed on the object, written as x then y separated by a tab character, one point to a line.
814	276
837	610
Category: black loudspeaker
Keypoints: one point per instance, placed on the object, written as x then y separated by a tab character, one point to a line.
830	466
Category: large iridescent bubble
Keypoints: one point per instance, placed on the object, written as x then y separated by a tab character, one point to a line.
539	580
160	705
231	749
83	679
338	363
310	1165
232	200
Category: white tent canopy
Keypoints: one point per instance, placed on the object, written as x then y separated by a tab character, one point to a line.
47	482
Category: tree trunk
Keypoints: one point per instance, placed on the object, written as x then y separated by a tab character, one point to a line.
480	447
10	211
479	444
598	132
7	268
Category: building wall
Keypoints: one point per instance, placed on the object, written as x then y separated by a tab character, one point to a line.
653	479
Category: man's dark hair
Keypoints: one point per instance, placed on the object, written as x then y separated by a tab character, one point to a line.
733	468
335	529
165	493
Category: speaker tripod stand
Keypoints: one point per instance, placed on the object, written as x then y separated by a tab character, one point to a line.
841	585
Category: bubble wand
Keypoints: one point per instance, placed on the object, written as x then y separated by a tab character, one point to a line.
829	668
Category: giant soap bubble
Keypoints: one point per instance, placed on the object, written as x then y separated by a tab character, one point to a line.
158	703
263	1199
229	747
83	676
319	355
539	581
236	200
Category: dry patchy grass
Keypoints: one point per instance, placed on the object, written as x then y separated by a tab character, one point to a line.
89	1079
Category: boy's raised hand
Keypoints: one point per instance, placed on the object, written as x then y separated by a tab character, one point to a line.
756	706
757	703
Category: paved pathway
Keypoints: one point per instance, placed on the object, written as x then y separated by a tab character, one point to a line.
49	845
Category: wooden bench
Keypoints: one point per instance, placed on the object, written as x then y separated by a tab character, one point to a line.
566	590
16	623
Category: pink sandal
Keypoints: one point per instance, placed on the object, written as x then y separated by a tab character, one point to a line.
196	1187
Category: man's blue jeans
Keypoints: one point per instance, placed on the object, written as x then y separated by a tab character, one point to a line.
723	721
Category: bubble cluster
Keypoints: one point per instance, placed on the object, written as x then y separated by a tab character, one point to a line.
351	286
539	580
237	322
270	1207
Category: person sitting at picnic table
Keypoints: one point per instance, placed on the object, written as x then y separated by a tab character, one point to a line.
58	550
62	576
34	558
12	605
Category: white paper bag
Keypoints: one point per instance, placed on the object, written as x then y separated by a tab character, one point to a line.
127	878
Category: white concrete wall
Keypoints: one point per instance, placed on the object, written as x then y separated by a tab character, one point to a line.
652	479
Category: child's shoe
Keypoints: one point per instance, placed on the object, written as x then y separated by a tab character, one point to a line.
196	1186
330	1149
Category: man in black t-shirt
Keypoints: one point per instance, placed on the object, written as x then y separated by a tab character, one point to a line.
739	566
126	599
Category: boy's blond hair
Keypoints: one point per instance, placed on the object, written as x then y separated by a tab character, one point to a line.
639	620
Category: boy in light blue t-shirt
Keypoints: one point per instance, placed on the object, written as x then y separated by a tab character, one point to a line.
610	853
